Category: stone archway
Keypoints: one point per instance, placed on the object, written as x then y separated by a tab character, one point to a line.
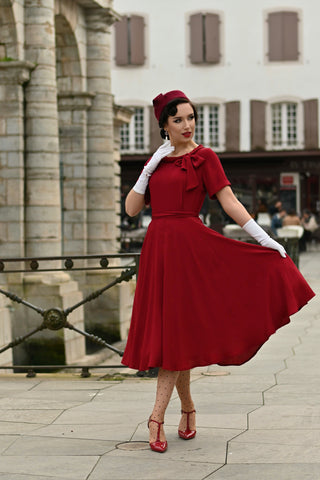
73	103
69	76
8	33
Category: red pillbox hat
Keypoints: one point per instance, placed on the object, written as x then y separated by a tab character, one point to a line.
161	101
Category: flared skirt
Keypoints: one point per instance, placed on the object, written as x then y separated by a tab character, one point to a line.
204	299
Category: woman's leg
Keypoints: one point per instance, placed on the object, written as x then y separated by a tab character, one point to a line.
165	385
187	405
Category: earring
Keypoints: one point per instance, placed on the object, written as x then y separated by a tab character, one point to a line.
166	135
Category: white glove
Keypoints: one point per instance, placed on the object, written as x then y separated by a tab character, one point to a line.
165	149
253	229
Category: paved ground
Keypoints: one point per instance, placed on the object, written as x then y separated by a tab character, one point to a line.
260	421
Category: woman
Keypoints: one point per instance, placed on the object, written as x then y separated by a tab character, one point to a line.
201	298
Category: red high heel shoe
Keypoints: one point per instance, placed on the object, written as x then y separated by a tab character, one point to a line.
187	434
158	446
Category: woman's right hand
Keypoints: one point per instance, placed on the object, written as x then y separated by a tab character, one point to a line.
165	149
143	180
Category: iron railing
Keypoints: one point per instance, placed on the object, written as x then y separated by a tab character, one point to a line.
54	318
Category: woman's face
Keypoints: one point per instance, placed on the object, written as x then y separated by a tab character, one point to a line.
181	126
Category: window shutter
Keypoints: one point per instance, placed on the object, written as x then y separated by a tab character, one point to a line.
121	29
258	124
154	132
283	36
290	36
196	38
212	38
233	126
311	119
275	36
137	40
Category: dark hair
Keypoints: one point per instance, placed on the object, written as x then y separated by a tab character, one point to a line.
170	110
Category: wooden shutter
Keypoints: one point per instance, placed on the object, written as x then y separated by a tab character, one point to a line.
196	38
154	132
283	39
258	124
137	40
290	36
311	120
275	36
233	126
212	38
122	55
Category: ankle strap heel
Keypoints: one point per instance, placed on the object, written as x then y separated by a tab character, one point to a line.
187	434
158	446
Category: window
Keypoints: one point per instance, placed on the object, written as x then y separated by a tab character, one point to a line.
284	125
129	40
283	36
208	126
133	135
205	38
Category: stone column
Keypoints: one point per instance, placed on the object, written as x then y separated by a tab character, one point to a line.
13	74
103	188
73	108
102	315
43	197
43	200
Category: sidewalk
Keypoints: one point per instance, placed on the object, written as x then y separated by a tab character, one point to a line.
260	421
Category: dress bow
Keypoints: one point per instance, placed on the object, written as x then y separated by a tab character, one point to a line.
189	163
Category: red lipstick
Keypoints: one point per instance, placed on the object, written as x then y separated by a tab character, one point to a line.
187	134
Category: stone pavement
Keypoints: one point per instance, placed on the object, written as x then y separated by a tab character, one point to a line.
260	421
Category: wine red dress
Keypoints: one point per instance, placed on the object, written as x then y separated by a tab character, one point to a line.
201	298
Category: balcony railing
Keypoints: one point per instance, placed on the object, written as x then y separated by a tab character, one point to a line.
53	318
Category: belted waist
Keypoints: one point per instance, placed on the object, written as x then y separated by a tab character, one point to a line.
179	214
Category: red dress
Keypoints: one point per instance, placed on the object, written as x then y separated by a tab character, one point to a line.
201	298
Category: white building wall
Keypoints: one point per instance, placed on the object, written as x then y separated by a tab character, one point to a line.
244	72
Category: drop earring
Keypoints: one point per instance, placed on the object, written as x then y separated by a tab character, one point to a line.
166	135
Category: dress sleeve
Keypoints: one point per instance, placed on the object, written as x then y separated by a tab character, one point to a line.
214	178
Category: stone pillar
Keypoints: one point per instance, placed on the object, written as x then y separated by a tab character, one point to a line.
102	315
43	196
12	77
73	108
103	191
43	200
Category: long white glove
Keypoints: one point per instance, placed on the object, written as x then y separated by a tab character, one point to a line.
253	229
165	149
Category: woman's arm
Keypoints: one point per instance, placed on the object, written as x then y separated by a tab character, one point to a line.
232	206
134	203
236	210
135	198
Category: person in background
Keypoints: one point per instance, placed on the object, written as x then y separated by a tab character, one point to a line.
277	220
291	218
310	225
276	208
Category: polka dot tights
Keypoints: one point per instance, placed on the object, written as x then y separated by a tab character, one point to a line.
167	380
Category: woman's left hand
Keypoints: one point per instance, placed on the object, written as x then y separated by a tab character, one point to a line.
253	229
270	243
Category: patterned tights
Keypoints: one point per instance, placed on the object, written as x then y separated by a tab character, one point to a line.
167	380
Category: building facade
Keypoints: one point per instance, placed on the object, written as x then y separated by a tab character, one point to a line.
251	68
59	146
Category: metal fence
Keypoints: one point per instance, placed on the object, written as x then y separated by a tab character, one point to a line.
53	318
